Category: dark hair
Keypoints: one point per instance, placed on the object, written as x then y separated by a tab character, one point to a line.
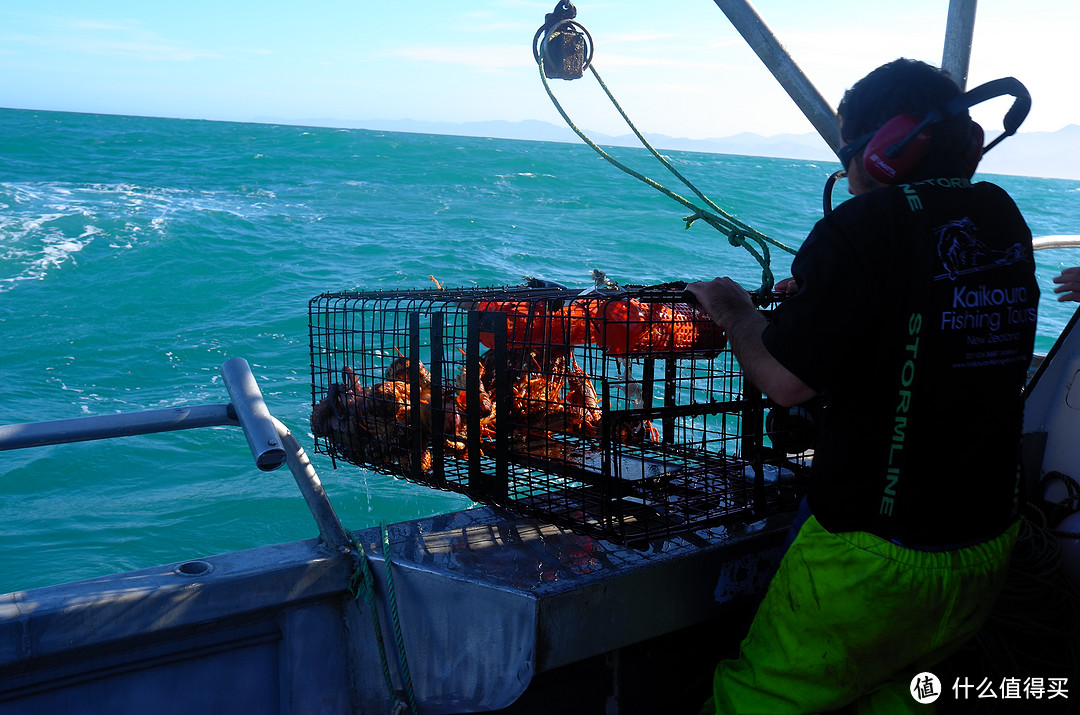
907	86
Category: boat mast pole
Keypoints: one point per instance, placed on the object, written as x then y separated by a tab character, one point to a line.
959	30
760	38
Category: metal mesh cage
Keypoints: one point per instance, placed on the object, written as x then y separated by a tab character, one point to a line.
621	414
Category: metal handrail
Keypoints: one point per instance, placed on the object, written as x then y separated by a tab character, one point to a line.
1055	242
270	441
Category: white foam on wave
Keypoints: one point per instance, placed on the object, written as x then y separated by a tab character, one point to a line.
36	241
44	226
53	252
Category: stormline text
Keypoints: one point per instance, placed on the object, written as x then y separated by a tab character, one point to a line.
903	407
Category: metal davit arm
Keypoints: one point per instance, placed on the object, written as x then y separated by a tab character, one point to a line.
760	38
959	30
271	442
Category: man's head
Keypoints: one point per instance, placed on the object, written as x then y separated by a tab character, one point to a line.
908	87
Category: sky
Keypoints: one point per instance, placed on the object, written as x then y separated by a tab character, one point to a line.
677	67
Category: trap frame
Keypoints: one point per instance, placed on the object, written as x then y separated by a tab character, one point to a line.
622	414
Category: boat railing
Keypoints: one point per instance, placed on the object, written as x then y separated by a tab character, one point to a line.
1044	242
270	441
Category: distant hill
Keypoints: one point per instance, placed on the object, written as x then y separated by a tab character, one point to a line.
1050	154
1046	154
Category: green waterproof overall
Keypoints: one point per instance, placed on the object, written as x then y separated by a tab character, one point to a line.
851	617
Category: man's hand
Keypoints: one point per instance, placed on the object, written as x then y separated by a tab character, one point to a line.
1069	284
788	285
723	299
730	307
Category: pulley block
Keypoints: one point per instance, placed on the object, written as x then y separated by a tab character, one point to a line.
562	45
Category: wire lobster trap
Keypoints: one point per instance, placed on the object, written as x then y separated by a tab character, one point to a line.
617	413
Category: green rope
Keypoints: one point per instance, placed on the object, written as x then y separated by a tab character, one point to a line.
402	661
362	584
737	232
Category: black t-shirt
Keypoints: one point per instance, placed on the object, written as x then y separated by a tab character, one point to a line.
916	317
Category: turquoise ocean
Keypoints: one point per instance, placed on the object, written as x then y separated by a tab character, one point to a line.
138	254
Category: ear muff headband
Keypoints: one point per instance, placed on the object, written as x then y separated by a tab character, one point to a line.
900	145
996	88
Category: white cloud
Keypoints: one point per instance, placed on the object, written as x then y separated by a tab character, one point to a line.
121	38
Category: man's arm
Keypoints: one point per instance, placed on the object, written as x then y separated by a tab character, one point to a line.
730	307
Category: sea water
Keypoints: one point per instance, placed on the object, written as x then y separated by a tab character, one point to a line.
138	254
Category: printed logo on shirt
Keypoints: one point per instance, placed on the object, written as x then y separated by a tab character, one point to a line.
961	252
988	319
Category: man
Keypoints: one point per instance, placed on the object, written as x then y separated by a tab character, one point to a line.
915	315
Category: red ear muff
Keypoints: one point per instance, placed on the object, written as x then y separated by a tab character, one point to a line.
904	141
975	149
897	148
